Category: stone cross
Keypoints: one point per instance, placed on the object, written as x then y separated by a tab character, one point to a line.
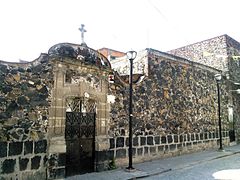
82	30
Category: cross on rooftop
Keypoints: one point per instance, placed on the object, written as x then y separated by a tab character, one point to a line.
82	30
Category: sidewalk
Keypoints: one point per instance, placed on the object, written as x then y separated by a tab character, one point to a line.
159	166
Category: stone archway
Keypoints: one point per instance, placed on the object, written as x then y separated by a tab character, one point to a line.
72	78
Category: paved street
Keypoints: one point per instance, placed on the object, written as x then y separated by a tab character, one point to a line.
205	170
200	166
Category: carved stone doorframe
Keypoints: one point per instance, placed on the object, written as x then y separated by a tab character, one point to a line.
80	87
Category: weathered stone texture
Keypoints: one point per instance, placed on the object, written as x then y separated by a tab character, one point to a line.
23	162
222	52
233	48
174	99
3	149
211	52
35	162
15	148
176	103
28	147
233	52
25	96
40	146
8	166
174	106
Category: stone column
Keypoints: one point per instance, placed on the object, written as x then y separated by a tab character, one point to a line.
57	143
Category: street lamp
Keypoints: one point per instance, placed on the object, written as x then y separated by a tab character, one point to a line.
131	55
218	78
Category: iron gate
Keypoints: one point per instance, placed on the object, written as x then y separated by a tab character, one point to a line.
80	139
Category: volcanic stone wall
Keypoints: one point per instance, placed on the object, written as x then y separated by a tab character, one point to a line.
236	116
234	76
175	110
211	52
233	50
223	53
24	102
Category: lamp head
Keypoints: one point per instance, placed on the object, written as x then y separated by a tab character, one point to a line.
218	77
131	55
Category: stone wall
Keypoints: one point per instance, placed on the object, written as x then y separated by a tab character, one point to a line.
174	105
211	52
223	53
175	109
23	160
148	147
233	50
24	101
234	76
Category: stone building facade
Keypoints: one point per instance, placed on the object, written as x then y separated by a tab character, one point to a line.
223	53
60	114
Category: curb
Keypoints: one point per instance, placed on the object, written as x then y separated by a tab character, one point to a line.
188	165
148	175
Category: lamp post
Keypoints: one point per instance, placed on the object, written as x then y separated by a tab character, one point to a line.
131	55
218	78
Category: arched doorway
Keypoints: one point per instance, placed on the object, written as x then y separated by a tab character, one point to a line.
80	135
79	112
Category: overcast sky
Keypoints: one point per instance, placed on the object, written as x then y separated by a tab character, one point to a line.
30	27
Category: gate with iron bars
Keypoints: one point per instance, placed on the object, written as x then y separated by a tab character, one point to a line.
80	136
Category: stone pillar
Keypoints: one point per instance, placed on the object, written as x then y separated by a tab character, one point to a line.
57	143
102	145
57	110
